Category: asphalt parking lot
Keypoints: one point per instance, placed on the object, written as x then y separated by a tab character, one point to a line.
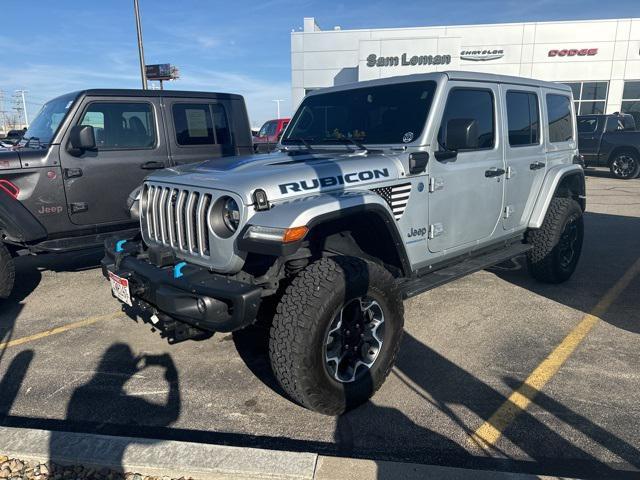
468	346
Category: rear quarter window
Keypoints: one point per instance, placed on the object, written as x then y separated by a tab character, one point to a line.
560	121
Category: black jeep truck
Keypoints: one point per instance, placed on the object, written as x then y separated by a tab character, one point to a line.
64	186
610	141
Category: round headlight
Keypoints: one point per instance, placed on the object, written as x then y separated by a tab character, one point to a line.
231	214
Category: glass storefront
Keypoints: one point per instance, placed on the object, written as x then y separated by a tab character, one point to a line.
631	100
589	97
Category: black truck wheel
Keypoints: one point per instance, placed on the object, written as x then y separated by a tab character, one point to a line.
7	272
557	243
625	165
336	333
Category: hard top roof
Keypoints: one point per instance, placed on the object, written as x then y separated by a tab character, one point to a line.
131	92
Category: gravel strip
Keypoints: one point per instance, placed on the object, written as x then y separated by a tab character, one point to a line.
15	469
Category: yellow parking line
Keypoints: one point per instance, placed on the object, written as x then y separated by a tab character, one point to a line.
491	430
62	329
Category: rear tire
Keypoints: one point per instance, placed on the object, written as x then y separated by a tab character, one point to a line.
330	304
625	165
557	244
7	272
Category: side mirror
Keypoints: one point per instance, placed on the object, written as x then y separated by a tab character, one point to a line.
461	134
418	162
82	138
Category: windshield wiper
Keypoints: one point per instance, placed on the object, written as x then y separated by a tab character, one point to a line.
300	141
347	141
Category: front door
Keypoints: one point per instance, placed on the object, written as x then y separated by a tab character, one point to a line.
129	147
524	151
589	137
466	189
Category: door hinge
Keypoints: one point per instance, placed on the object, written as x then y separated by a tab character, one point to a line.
508	211
72	173
509	173
435	184
435	230
78	207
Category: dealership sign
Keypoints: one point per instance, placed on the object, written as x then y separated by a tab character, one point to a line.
573	52
482	54
405	61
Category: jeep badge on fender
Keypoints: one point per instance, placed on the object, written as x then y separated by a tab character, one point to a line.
337	227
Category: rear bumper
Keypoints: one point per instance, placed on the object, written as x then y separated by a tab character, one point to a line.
199	298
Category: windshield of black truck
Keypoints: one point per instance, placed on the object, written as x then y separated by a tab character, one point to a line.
386	114
46	123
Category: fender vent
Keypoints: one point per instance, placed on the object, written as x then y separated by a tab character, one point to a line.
396	196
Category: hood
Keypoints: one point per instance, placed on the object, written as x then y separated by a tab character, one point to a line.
284	175
9	159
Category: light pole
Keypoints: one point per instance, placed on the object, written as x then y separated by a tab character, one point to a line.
278	102
143	74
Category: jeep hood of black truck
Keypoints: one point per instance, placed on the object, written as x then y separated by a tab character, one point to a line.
23	157
9	159
287	174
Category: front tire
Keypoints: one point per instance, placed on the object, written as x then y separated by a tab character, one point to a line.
7	272
557	244
336	333
625	165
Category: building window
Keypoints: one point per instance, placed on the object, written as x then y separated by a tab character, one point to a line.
631	100
589	97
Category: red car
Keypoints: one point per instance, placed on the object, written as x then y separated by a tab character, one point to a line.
269	135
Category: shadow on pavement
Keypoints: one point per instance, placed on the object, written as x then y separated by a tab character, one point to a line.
104	400
611	247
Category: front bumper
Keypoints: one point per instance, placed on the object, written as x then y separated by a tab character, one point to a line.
199	298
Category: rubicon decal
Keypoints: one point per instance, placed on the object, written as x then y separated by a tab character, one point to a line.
332	181
574	52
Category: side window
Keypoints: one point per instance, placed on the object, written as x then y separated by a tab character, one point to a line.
223	133
121	125
471	105
523	118
560	123
194	125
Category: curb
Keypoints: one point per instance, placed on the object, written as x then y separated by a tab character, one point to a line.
155	457
216	462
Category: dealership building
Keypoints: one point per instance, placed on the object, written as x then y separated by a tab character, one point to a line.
599	59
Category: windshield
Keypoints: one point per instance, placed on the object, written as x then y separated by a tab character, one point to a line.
587	125
46	123
386	114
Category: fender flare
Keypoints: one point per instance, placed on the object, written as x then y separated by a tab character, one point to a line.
554	177
17	224
320	209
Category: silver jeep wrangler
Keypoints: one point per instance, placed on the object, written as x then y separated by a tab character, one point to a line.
379	191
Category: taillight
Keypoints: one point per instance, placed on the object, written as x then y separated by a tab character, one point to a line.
12	190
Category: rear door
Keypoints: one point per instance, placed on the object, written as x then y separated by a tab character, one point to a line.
590	128
130	145
524	153
198	129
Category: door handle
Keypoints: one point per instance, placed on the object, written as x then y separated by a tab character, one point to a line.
152	166
494	172
537	165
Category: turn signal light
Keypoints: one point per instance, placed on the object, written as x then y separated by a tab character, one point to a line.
294	234
12	190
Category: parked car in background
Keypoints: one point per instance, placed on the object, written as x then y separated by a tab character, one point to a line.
269	135
610	141
65	185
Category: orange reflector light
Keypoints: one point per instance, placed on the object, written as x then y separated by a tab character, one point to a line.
294	234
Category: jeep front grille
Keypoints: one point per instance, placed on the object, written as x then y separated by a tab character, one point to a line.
177	218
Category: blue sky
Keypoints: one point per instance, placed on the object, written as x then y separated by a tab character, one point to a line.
236	46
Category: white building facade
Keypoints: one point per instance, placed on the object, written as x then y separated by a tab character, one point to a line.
599	59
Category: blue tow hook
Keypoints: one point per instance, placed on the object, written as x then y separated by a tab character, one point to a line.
177	270
120	246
